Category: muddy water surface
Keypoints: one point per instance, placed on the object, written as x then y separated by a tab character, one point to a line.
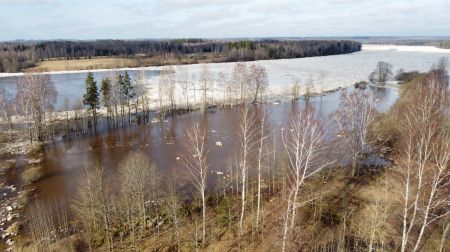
163	142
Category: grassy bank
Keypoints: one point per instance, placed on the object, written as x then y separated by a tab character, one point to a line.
116	62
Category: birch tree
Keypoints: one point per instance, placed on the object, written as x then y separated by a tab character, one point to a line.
139	182
303	139
166	89
205	82
36	95
259	82
247	135
196	163
240	81
354	116
262	155
424	163
6	105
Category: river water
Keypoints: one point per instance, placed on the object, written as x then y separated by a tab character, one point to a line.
162	142
327	72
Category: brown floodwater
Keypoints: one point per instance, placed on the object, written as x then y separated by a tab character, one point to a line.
162	142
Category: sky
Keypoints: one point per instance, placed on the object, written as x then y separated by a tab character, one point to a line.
138	19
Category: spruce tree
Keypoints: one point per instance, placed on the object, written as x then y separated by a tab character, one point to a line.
106	94
106	91
127	90
91	98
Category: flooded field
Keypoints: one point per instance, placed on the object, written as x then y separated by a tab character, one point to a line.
163	143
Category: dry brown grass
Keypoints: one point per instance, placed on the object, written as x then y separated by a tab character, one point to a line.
32	174
83	64
119	62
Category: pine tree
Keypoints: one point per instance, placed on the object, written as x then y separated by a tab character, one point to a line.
91	98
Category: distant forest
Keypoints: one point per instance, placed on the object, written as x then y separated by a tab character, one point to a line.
16	56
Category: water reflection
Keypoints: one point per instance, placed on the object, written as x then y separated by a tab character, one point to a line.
163	142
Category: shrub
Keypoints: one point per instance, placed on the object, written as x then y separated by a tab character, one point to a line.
31	175
361	84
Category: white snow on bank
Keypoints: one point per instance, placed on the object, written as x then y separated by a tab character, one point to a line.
405	48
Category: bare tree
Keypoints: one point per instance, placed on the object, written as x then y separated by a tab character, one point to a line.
303	139
91	204
247	135
240	81
141	90
6	105
356	112
295	90
259	81
205	82
382	73
424	163
174	208
183	75
166	88
139	183
48	222
36	95
196	162
262	155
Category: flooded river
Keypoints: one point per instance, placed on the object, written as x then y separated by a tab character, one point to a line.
163	142
327	72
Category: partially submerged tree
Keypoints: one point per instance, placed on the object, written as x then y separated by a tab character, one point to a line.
35	96
205	83
381	74
166	89
353	117
259	82
91	97
106	94
240	82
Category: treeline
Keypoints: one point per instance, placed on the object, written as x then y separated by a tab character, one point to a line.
18	56
445	45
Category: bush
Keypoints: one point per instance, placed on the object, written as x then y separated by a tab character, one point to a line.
31	175
403	77
361	84
78	244
6	166
35	148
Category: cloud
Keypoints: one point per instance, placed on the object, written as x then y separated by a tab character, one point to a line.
28	1
86	19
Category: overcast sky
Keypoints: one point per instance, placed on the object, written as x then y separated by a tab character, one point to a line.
130	19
